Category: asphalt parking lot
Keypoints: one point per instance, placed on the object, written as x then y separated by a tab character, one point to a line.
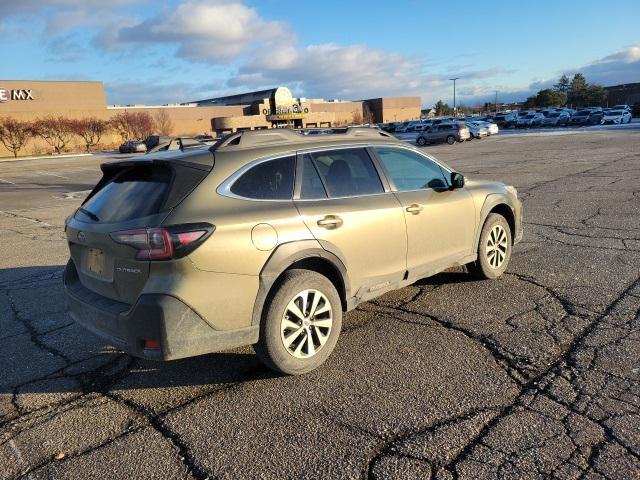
535	375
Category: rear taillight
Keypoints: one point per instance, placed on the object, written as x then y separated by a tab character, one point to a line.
164	243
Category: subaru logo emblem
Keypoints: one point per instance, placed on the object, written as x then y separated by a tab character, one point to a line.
82	237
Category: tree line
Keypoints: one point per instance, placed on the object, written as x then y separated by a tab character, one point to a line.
58	131
576	92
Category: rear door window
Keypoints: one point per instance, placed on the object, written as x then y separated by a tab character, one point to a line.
347	172
132	193
269	180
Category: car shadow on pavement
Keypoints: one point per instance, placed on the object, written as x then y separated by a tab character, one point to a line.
454	275
47	353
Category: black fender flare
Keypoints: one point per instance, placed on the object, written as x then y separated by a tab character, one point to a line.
490	202
286	255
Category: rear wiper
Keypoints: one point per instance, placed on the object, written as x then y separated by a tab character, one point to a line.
89	214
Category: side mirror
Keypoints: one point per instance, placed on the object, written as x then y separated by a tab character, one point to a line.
457	180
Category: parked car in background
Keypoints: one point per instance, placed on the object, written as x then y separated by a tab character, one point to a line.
477	130
177	255
492	128
402	128
581	117
622	107
506	119
532	119
596	117
556	119
444	132
616	117
132	146
420	127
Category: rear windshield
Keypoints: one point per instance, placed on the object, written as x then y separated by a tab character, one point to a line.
132	193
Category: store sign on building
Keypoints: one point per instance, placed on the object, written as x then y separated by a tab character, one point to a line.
18	94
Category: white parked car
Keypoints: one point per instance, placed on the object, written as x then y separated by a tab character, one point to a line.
491	127
616	116
477	130
621	107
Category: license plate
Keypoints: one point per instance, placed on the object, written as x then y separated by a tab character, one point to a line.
95	261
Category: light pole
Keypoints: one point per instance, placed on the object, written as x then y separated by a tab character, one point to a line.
454	94
496	100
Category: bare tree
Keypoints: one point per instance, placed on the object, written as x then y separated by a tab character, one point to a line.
357	118
164	125
56	131
90	130
14	134
133	125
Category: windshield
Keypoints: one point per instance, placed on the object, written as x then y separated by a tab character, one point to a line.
583	112
553	115
617	112
531	115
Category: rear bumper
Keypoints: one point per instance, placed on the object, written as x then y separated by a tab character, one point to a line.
181	332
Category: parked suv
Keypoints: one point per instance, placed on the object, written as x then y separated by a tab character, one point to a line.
444	132
267	237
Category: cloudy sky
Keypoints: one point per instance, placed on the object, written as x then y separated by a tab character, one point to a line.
157	52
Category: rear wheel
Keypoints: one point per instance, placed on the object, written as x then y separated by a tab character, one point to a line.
494	248
421	141
451	139
301	324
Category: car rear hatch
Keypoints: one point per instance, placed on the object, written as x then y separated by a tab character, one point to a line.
133	196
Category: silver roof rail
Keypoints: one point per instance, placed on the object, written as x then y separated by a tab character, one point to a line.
276	136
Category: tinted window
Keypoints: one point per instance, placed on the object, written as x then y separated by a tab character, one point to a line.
270	180
411	171
347	172
132	193
311	187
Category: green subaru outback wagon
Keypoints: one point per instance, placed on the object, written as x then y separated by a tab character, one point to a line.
268	237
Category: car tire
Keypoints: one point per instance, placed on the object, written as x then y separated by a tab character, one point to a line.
312	343
495	237
421	141
451	139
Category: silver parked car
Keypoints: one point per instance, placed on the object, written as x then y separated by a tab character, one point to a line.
556	119
444	132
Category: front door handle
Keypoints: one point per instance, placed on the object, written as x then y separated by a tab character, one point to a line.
414	209
330	222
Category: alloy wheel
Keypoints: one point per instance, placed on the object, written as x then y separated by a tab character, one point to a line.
306	323
497	244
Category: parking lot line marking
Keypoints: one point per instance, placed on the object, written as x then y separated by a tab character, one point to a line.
52	174
6	181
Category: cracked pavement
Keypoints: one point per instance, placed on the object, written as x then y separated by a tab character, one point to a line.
534	375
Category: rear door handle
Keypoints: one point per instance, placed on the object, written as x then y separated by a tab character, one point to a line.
414	209
330	222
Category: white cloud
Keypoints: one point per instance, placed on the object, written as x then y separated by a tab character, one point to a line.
619	67
351	71
206	31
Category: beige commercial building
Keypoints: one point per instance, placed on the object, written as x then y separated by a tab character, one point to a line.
272	108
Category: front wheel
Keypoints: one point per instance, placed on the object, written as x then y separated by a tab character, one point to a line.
451	139
421	141
301	324
494	249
